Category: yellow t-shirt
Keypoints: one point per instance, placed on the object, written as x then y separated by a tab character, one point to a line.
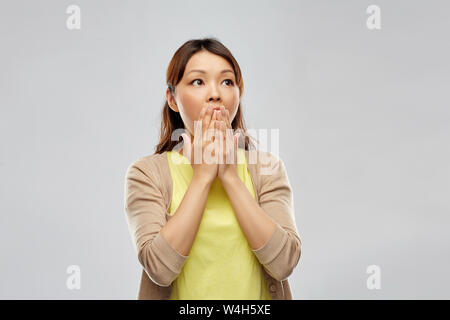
221	264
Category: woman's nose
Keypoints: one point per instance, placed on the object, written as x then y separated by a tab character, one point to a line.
214	94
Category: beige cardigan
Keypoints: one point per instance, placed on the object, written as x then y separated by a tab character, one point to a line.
148	193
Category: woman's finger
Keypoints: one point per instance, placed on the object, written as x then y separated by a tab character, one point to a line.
209	132
221	122
228	118
225	135
211	124
206	121
217	142
225	116
202	113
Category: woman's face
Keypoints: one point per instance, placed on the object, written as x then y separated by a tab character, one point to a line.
208	79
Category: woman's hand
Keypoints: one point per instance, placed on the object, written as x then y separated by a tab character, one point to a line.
202	152
228	145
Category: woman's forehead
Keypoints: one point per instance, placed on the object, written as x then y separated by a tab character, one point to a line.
206	62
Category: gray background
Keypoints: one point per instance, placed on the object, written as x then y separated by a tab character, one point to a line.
364	125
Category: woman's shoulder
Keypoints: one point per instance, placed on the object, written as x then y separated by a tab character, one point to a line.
263	162
151	165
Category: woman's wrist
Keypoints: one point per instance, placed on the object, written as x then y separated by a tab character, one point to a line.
205	181
230	178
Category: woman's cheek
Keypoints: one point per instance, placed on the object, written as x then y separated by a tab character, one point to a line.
235	109
189	119
191	107
236	101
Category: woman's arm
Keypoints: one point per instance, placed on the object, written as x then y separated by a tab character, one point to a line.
269	225
145	205
181	229
256	225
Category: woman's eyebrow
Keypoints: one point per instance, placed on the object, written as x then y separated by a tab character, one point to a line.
203	71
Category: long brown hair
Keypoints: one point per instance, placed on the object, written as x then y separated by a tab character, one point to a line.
171	120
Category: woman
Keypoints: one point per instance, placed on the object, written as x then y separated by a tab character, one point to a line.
206	222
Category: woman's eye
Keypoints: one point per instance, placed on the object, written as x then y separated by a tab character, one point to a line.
196	80
230	81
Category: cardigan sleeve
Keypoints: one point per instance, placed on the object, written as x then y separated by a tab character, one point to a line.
281	253
146	215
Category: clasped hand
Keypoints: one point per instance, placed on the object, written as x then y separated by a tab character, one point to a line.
214	138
